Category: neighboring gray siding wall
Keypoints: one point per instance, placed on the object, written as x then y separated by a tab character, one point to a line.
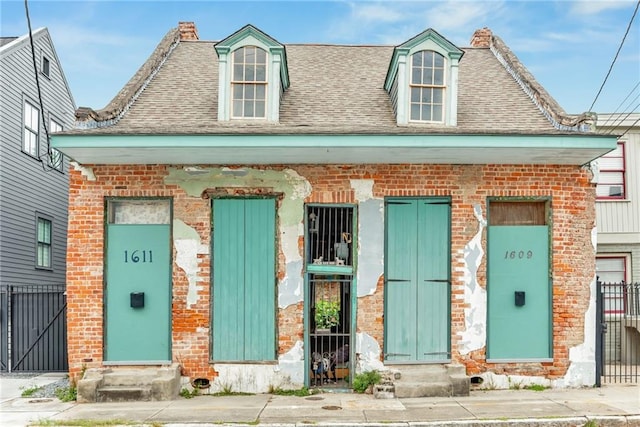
625	249
25	188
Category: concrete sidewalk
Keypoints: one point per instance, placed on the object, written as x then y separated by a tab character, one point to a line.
612	405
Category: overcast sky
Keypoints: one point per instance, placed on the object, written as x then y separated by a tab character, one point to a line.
568	45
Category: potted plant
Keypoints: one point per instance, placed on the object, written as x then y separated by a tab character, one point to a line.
327	315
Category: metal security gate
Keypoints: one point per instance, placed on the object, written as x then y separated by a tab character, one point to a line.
33	328
618	324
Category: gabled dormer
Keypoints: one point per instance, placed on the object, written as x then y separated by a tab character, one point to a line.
422	80
253	76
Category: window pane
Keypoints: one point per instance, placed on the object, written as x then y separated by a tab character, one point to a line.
237	108
249	92
248	109
415	94
437	96
438	77
237	91
238	56
437	113
428	58
261	56
416	77
426	112
260	109
611	177
417	59
250	73
250	55
426	95
438	60
261	73
611	163
260	92
415	112
237	72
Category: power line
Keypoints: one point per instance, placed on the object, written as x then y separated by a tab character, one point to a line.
614	112
615	57
35	71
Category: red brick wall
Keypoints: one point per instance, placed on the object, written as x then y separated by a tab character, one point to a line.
572	202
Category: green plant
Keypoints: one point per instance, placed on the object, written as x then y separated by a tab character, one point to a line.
67	394
535	387
327	314
301	392
362	381
27	392
188	394
591	423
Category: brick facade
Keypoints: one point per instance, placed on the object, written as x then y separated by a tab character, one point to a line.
573	264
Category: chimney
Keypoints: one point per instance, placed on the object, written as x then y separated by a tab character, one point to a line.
188	31
481	38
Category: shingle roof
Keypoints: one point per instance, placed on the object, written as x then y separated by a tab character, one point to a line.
6	40
334	89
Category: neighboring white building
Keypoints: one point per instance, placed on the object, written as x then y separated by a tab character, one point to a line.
618	201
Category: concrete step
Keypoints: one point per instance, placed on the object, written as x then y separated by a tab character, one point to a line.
423	389
123	394
425	373
115	384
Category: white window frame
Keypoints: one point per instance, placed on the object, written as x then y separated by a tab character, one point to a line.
31	129
44	243
613	305
247	83
429	85
606	185
55	157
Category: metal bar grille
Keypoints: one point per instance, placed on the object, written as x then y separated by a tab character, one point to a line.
330	330
620	330
329	232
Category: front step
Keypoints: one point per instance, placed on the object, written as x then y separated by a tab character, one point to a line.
431	381
129	384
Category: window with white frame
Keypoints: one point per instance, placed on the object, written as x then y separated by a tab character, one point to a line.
427	86
611	180
31	118
249	83
55	156
612	272
43	246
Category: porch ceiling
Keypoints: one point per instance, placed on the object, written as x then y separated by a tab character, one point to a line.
341	149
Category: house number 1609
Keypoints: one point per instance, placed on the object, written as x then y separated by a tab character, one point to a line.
138	256
518	254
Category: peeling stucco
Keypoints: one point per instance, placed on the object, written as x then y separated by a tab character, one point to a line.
368	354
474	336
294	188
188	246
86	172
582	368
370	237
491	381
287	374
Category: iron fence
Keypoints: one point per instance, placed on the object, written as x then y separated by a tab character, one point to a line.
33	332
618	321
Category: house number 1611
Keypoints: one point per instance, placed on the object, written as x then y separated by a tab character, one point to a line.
138	256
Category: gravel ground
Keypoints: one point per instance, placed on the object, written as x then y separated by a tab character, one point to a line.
48	390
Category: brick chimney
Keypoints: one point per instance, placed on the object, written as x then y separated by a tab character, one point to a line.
481	38
188	31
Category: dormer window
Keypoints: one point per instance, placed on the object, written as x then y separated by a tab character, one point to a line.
427	86
249	84
422	80
253	76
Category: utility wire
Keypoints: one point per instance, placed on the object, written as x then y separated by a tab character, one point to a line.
615	57
35	71
611	117
632	125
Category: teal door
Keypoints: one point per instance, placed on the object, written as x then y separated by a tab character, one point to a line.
244	280
138	293
519	300
417	280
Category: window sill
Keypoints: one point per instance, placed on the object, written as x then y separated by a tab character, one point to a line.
612	200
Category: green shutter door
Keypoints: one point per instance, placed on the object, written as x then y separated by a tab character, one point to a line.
518	262
417	280
138	261
244	279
